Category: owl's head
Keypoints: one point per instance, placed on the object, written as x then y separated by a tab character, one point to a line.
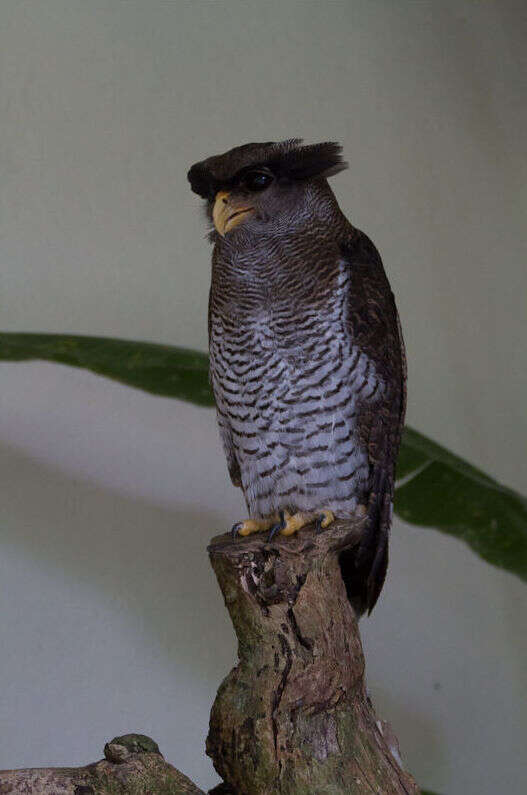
265	186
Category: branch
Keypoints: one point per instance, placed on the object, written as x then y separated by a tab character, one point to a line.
133	766
294	717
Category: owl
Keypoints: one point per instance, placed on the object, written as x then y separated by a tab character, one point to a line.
307	360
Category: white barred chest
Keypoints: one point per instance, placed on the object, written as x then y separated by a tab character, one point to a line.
289	406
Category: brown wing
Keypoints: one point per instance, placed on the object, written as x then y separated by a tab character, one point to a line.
375	328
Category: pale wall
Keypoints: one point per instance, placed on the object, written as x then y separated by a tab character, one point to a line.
110	616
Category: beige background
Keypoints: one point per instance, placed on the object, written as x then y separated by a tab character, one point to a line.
110	618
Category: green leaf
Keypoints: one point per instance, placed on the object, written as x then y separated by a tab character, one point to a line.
436	488
441	490
159	369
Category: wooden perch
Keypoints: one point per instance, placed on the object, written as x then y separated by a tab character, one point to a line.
133	765
293	717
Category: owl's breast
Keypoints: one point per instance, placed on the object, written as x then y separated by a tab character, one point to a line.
291	398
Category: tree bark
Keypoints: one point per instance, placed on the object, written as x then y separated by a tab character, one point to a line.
133	765
293	717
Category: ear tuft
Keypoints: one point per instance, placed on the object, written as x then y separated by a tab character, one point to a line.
201	181
314	160
287	158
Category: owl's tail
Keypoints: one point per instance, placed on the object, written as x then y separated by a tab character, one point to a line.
364	567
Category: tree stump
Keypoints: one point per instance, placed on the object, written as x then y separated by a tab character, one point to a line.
293	717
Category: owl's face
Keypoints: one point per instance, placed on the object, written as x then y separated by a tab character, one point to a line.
262	188
258	199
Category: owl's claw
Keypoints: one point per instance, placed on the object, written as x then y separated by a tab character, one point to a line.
324	519
278	527
250	526
299	520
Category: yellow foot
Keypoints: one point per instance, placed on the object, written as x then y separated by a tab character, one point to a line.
291	524
250	526
284	523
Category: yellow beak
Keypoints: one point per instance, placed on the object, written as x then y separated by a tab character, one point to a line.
227	214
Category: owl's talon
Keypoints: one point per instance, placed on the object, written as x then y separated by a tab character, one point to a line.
278	527
250	526
299	520
273	531
324	519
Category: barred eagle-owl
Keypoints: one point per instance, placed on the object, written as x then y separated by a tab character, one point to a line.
306	355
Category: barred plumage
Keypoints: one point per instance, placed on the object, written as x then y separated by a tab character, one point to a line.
307	360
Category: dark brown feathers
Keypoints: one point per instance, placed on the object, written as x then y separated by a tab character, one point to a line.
286	159
374	324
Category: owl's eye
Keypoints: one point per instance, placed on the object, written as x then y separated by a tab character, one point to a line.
257	180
